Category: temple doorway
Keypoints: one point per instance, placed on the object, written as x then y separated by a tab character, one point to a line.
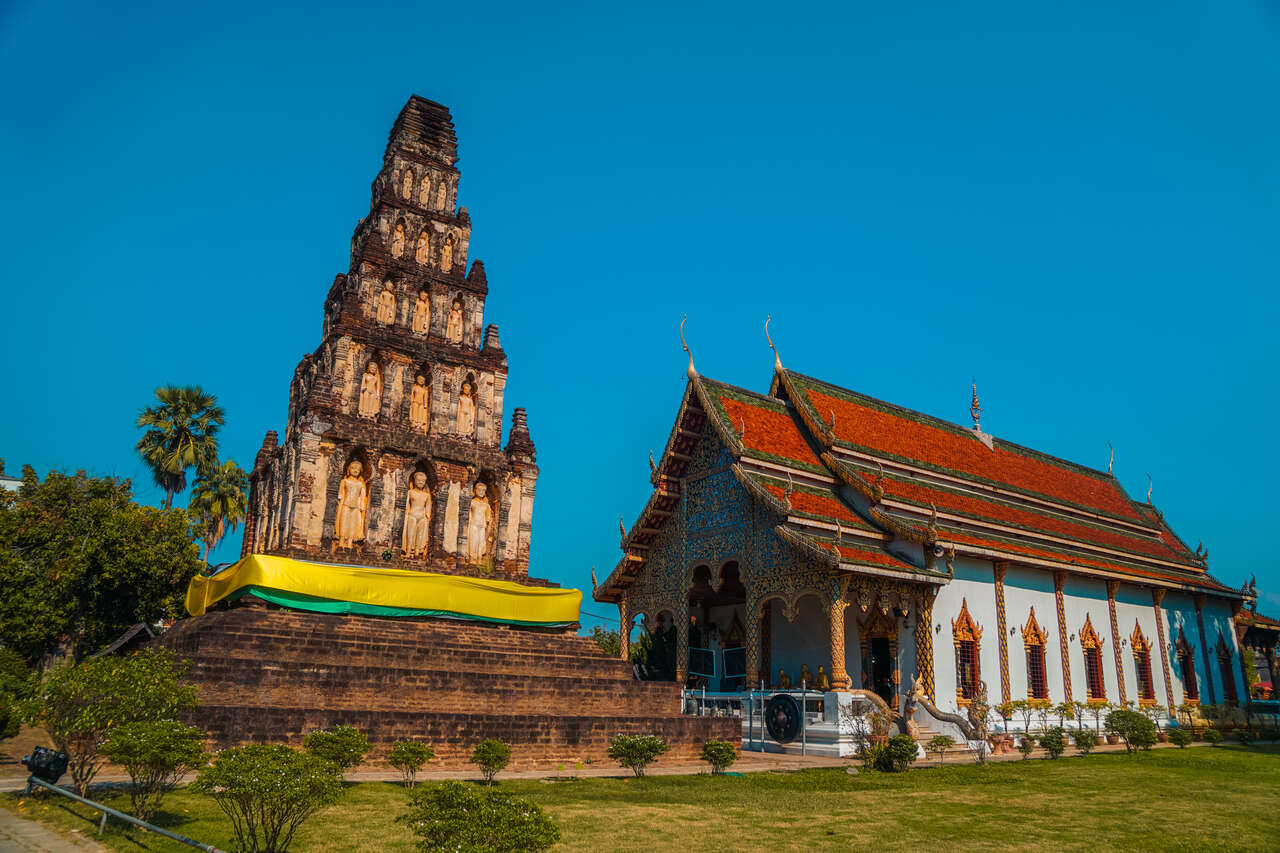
877	667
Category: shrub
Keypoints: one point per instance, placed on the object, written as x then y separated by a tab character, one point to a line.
345	746
78	703
940	744
456	818
10	717
1244	737
268	791
1212	736
1026	745
15	685
1086	740
1180	736
491	756
901	751
155	755
636	751
609	641
1054	742
720	754
1135	729
408	756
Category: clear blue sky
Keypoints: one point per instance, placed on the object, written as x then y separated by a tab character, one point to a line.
1079	204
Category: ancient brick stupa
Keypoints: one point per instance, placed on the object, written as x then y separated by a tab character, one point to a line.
384	579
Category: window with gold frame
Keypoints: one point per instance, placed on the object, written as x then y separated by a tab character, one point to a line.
1033	641
967	637
1091	643
1142	666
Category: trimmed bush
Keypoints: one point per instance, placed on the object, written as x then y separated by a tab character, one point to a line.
408	756
155	755
1244	737
454	818
901	751
1054	742
1181	737
345	746
1212	736
1086	740
636	751
940	744
491	756
1135	729
720	754
1026	745
268	791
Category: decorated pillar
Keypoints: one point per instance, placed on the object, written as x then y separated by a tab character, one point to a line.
625	624
682	639
1157	597
1059	581
924	642
1112	588
753	644
1204	647
1000	569
839	675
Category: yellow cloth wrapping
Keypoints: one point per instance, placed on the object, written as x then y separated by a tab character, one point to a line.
390	592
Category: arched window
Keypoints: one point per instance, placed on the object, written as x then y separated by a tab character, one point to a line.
1224	667
967	637
1033	639
1142	666
1095	689
1187	665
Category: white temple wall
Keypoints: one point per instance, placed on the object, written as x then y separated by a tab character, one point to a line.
1180	615
974	584
1023	589
1133	605
1087	597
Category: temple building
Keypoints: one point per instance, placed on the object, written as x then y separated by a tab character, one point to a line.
392	449
816	533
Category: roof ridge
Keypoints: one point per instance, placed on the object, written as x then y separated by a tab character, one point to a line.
745	391
963	430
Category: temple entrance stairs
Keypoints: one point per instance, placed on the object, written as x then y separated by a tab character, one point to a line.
267	675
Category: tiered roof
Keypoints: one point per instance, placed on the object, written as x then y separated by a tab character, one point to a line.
921	479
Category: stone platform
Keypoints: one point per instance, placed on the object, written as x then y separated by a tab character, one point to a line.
269	675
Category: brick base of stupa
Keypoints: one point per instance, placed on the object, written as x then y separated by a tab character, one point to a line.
267	675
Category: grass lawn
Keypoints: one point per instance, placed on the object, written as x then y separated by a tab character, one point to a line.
1195	799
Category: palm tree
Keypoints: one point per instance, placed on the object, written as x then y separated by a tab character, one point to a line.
181	433
220	500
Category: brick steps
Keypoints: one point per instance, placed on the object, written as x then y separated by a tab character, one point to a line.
271	675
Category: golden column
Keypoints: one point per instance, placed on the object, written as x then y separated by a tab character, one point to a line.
625	624
840	679
1000	569
754	618
924	643
1112	588
1157	597
1059	581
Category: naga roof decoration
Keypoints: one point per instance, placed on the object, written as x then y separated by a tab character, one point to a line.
857	479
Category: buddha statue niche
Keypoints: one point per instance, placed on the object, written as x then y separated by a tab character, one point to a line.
397	240
417	516
420	404
422	313
387	305
441	196
424	191
453	329
446	255
370	391
422	253
479	525
352	501
406	188
467	411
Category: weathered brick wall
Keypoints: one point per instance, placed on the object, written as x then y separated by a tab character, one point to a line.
268	675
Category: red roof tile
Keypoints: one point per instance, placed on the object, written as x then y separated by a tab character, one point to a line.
768	431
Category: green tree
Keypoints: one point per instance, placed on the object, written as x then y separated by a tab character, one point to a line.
268	791
608	641
345	746
453	818
155	754
1180	736
1086	740
1054	741
491	755
16	682
78	704
1250	666
636	751
80	562
1212	736
901	751
1026	745
181	433
219	499
1135	729
939	744
408	756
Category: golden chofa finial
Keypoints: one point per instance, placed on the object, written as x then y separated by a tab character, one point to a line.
777	360
593	579
1150	485
692	372
975	410
1111	461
